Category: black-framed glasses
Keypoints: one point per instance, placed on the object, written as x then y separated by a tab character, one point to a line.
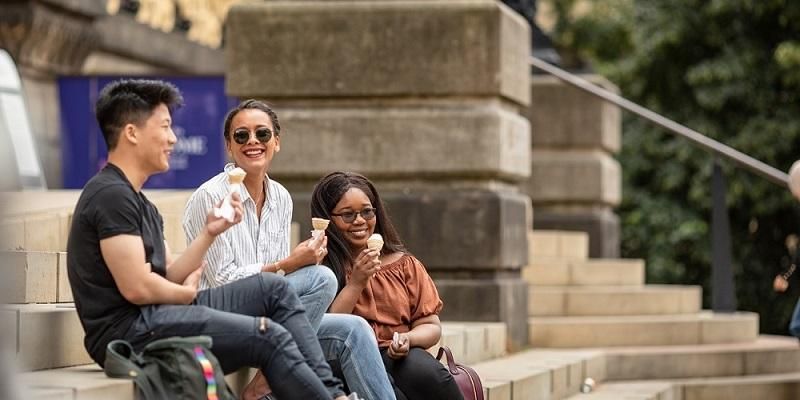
350	216
242	135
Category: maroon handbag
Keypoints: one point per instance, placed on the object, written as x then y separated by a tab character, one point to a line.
466	378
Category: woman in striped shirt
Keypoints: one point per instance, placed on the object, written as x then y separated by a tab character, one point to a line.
260	244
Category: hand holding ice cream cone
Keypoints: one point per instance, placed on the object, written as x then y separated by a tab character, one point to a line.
235	179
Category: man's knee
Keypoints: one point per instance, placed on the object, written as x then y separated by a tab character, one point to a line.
794	329
273	283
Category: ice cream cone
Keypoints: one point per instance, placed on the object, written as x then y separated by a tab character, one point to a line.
375	242
236	176
320	224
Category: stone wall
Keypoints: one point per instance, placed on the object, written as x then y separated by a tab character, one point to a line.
423	97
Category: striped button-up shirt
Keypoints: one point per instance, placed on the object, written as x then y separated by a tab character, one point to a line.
243	249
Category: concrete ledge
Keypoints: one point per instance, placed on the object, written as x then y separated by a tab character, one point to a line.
594	272
564	245
779	386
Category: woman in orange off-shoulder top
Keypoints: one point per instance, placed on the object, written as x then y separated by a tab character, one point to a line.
389	288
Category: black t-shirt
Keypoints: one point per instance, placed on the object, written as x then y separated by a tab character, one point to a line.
108	206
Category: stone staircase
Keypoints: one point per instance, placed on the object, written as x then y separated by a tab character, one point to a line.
656	340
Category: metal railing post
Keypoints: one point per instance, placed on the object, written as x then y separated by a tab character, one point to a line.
723	287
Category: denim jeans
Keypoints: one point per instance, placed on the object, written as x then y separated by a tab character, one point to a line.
794	324
348	342
235	315
316	286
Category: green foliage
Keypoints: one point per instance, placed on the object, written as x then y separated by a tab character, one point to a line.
731	70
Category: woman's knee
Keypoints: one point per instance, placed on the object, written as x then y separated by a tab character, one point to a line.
324	280
420	368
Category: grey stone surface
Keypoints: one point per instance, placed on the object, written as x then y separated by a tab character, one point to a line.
365	49
461	230
477	141
565	117
501	297
601	223
574	177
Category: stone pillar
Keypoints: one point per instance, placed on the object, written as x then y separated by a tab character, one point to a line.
48	38
424	98
575	181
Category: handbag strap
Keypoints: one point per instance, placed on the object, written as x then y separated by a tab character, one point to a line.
451	363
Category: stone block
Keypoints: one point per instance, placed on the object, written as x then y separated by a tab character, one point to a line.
563	116
526	383
607	272
85	382
496	389
598	222
482	140
544	272
453	338
29	276
8	331
464	230
487	299
64	224
64	294
543	244
573	177
39	348
614	300
474	344
544	301
37	238
574	245
729	328
173	232
351	49
12	234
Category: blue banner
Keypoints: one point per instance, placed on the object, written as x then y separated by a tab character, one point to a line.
198	155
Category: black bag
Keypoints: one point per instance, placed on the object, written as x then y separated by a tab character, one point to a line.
180	368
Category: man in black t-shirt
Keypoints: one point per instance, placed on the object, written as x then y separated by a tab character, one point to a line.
127	286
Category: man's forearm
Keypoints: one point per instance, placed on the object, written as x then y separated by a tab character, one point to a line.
157	290
191	258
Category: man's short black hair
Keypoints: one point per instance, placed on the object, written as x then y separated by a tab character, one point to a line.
132	101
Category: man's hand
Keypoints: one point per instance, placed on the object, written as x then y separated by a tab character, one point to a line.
780	284
193	280
217	225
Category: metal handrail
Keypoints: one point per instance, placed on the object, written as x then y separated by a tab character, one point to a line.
772	174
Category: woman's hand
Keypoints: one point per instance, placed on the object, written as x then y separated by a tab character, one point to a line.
365	265
400	346
308	252
216	225
780	284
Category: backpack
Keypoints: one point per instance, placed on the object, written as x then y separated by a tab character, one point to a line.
468	381
180	368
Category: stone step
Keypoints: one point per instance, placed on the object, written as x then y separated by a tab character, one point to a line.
473	342
613	300
766	355
45	335
34	277
565	245
86	382
594	272
647	390
772	386
648	330
539	374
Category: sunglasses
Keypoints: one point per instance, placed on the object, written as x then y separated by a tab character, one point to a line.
350	216
242	135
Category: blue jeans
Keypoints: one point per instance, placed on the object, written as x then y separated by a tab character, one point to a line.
316	287
348	342
794	324
283	345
